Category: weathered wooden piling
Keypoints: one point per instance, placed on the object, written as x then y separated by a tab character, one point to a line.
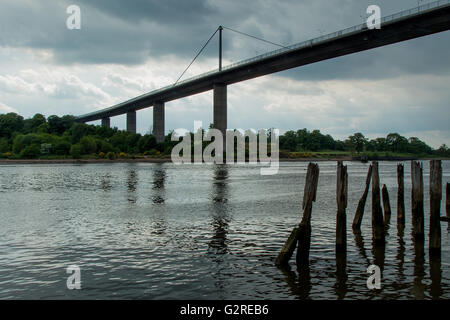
302	234
362	203
378	233
288	248
435	207
309	196
341	216
400	197
417	200
447	205
386	205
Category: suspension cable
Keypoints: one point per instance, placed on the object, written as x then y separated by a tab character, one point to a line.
249	35
201	50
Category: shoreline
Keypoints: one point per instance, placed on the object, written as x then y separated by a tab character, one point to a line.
168	160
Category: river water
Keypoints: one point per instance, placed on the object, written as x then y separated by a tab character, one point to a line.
160	231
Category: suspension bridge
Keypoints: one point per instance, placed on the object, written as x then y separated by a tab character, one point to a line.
417	22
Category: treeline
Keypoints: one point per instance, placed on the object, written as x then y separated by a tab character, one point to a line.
304	141
62	137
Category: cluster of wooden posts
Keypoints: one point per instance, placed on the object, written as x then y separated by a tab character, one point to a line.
300	236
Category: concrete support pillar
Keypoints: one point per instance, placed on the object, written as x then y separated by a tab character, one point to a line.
106	122
131	121
158	121
220	109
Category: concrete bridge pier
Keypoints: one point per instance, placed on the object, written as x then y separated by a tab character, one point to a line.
106	122
131	121
220	109
158	121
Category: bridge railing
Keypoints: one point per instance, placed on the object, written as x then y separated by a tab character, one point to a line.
307	43
359	27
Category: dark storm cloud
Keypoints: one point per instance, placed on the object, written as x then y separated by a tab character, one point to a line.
123	32
130	32
174	12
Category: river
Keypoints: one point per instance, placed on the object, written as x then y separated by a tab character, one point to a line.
161	231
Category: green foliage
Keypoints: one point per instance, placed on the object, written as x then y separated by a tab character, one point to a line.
59	125
145	143
10	123
62	136
89	144
36	124
357	142
443	151
62	148
4	145
76	151
111	155
30	152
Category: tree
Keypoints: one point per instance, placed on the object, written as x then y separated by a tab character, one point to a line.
396	143
443	151
76	151
32	125
146	143
418	147
62	148
31	152
10	123
89	145
4	145
357	142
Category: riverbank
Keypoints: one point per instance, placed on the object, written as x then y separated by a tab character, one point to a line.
166	160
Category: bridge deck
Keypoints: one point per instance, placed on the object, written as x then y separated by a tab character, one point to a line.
414	23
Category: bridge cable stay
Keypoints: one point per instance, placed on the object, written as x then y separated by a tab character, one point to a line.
201	50
254	37
233	30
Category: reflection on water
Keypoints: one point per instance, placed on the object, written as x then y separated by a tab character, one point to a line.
299	286
160	231
159	178
436	276
219	213
400	260
341	275
359	241
419	267
106	182
132	181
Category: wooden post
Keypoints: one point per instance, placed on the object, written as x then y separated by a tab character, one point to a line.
341	199
302	234
362	203
417	200
377	213
386	205
435	207
309	196
447	206
400	197
288	248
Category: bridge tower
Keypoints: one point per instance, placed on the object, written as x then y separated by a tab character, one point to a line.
220	98
106	122
158	121
131	121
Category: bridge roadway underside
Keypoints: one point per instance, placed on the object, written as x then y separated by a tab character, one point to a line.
396	31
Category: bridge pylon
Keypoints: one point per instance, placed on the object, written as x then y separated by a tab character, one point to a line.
158	121
220	109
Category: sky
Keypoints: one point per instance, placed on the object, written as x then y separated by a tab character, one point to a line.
127	48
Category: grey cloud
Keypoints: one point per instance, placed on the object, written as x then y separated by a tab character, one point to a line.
125	32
